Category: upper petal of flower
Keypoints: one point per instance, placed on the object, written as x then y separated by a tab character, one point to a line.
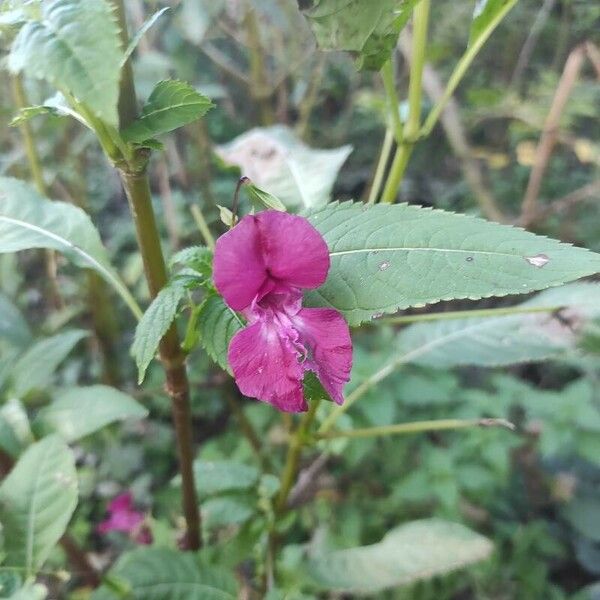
239	267
265	364
122	517
326	335
295	252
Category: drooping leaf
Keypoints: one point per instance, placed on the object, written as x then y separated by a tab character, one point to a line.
217	324
13	327
75	46
162	574
509	339
277	161
80	411
154	324
27	220
29	112
409	553
34	370
171	104
218	476
385	258
37	500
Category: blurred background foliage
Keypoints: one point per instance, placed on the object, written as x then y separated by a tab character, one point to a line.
536	492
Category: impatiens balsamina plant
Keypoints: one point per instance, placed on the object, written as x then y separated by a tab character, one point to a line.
260	268
271	302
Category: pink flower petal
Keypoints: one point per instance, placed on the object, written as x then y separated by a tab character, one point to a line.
239	268
295	252
121	502
265	365
326	335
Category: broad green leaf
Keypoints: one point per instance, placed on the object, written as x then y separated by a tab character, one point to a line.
218	476
412	552
15	431
75	46
139	34
509	339
385	258
13	327
274	159
34	370
161	574
217	324
486	15
584	515
227	510
198	258
37	500
171	104
27	220
154	324
79	411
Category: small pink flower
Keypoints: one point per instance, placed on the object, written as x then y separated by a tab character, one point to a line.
261	267
123	517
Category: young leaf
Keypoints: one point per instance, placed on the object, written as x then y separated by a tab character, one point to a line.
198	258
163	574
139	34
412	552
37	500
277	161
217	324
80	411
34	370
75	46
263	198
509	339
171	104
27	220
153	326
385	258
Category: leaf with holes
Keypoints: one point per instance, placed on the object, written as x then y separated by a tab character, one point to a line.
171	105
386	258
28	220
217	324
75	46
80	411
37	500
154	324
162	574
412	552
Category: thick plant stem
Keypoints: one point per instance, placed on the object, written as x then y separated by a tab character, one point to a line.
415	91
35	166
137	188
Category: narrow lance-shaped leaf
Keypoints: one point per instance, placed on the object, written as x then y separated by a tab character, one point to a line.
386	258
27	220
75	46
171	104
37	500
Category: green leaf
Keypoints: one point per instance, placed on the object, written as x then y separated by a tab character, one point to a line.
37	500
154	324
75	46
171	104
227	510
584	515
139	34
29	112
34	370
217	324
385	258
278	162
161	574
487	14
262	198
80	411
198	258
31	591
27	220
15	432
412	552
218	476
13	326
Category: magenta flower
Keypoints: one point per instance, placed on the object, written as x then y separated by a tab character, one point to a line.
261	267
123	517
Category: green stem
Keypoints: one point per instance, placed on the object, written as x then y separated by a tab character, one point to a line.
415	92
298	441
137	188
384	156
389	82
203	227
470	314
462	66
416	427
